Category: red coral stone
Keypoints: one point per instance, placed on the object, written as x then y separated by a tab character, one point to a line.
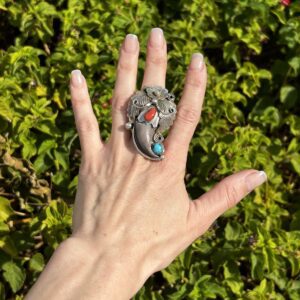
149	115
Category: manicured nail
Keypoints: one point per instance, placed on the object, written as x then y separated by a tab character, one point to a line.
156	37
255	179
76	78
197	61
131	42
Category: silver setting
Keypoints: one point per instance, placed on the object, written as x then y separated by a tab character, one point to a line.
158	137
146	133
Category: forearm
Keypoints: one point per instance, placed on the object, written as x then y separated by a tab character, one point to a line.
74	272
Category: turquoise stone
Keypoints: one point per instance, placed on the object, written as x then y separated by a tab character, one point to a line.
158	148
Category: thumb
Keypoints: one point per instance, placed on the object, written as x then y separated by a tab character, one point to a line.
224	195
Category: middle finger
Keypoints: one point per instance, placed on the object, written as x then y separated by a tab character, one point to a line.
156	60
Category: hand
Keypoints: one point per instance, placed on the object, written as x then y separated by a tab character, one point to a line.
133	216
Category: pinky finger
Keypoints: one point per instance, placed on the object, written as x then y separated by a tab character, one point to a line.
85	119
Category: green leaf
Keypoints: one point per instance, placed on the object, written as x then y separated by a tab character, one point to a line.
62	158
29	144
257	264
249	88
294	146
233	231
46	146
280	15
45	9
36	262
5	209
294	289
47	127
288	95
264	74
14	275
42	163
233	114
235	286
231	52
2	6
295	265
295	64
92	59
56	213
295	161
269	259
173	272
263	287
8	246
295	125
6	110
186	257
295	223
4	227
271	115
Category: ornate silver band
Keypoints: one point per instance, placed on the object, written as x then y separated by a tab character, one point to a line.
150	111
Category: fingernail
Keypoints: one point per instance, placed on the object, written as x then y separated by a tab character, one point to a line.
76	78
197	61
255	179
131	42
156	37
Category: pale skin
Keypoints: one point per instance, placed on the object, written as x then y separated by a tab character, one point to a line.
132	216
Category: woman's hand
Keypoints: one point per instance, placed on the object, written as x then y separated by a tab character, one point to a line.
133	216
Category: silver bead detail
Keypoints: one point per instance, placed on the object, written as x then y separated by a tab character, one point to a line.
128	125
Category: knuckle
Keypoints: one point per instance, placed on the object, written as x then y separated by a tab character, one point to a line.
119	103
125	65
79	100
188	115
231	195
175	168
88	170
157	59
87	125
193	79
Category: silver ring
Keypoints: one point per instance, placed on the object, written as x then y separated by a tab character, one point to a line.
151	112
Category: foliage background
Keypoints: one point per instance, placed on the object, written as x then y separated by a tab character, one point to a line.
250	120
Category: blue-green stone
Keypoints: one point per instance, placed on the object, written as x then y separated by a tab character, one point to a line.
157	148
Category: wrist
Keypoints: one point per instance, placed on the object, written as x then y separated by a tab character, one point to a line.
78	271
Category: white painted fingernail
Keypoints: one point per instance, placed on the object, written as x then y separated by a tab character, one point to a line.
255	179
197	61
131	42
77	78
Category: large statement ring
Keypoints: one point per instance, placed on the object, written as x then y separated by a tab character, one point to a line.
150	111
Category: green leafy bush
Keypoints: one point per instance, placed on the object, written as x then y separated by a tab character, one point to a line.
251	119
